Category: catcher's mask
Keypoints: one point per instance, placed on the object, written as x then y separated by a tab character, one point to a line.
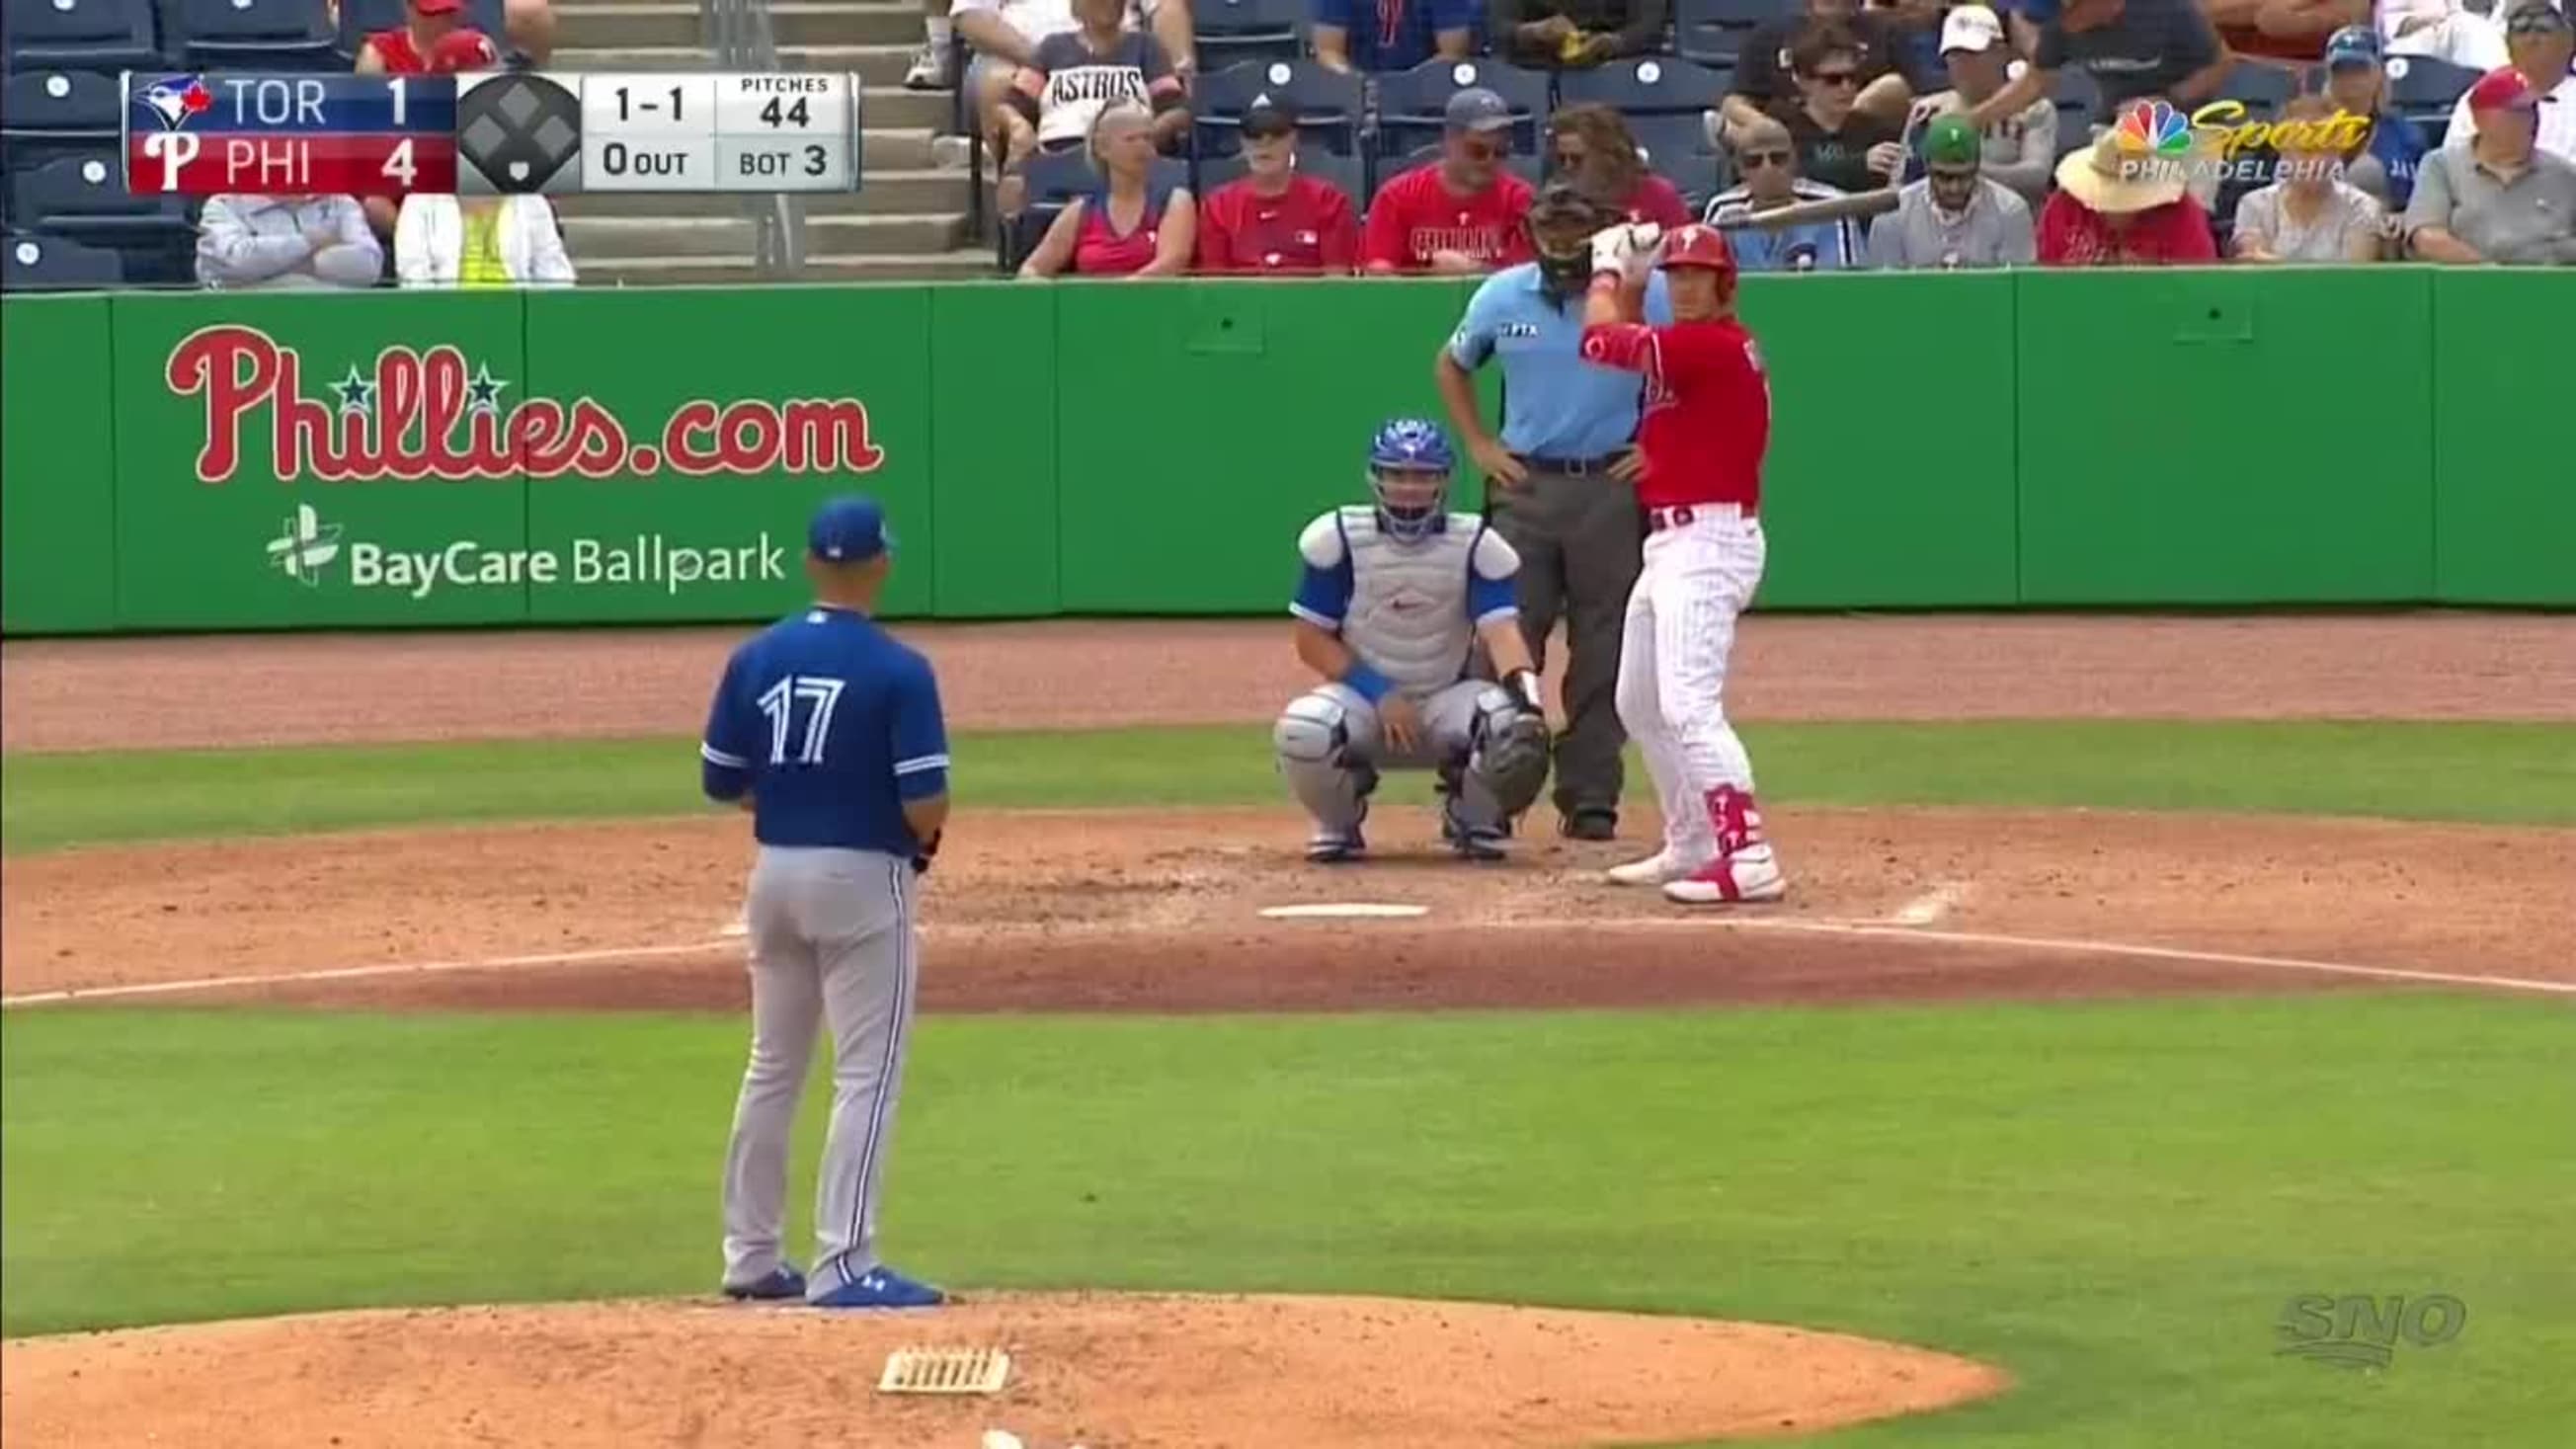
1409	467
1560	225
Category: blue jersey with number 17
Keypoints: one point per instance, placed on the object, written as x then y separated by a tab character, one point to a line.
832	724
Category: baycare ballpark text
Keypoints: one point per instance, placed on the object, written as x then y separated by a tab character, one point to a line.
423	424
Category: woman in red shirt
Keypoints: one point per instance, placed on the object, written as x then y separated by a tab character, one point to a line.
1273	221
2117	210
1130	227
1595	150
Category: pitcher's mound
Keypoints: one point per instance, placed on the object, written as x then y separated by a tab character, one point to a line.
1107	1371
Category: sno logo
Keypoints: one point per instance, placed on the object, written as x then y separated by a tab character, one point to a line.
2358	1331
304	545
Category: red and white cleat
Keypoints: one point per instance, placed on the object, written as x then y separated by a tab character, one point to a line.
1750	875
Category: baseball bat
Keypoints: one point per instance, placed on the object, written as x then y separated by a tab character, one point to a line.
1802	213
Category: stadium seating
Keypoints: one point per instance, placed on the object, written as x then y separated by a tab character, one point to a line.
1713	32
1344	172
50	264
48	114
105	35
2261	87
2423	89
1677	149
362	18
1230	31
1648	85
258	35
1410	102
1328	103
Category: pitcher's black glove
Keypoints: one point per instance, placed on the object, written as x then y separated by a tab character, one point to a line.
929	848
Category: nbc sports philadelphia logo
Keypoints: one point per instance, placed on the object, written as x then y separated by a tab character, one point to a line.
2359	1331
310	549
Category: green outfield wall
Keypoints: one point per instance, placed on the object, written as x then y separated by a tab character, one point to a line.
2200	437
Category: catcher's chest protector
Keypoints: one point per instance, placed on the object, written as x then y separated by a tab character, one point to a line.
1408	615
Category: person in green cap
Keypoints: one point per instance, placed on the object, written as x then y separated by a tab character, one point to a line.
1955	217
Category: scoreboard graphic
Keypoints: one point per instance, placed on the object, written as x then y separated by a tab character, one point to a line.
489	133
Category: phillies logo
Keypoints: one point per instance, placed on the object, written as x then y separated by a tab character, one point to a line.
423	414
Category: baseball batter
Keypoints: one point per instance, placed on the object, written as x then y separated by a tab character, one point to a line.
829	732
1707	424
1392	600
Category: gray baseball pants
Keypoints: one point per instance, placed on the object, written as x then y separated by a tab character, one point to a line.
1579	539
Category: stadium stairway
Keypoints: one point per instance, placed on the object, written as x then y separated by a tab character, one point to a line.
906	223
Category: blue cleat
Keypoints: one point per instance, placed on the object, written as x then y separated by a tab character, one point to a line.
882	1287
781	1282
1472	842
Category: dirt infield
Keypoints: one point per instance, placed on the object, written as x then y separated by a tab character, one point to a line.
1130	1372
312	689
1103	911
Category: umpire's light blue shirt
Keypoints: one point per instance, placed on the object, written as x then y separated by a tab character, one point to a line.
1555	404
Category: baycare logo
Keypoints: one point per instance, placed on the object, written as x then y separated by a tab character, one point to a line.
426	415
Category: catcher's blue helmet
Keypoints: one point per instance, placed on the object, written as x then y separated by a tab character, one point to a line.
1409	467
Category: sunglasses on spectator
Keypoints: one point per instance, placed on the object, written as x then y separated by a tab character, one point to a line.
1952	173
1836	77
2535	22
1766	158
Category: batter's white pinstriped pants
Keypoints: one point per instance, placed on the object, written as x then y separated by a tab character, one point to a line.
1680	630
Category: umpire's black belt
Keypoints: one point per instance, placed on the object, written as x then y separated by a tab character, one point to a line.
1572	467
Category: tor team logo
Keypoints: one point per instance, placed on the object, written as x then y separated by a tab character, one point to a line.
174	101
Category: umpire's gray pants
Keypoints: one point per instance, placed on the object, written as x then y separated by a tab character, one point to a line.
1579	539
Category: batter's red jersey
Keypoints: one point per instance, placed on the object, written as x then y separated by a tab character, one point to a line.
1708	408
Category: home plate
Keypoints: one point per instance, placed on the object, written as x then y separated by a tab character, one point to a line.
1343	911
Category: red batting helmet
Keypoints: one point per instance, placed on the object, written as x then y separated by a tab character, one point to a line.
1700	246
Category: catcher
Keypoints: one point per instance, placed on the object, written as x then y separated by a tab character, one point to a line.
1393	600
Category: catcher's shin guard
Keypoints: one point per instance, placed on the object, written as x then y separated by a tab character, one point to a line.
1313	745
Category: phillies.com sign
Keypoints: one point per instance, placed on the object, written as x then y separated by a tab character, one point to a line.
428	414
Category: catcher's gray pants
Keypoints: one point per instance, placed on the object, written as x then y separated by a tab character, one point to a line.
1578	538
832	940
1330	746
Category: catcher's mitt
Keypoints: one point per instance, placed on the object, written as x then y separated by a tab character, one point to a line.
1514	761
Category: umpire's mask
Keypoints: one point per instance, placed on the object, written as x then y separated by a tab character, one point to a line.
1561	223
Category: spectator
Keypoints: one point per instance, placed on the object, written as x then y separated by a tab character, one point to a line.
1272	221
2358	85
1955	217
1071	74
2309	213
477	241
2502	200
1132	226
2133	49
2110	212
1461	213
1569	34
2443	30
1003	34
286	243
1838	144
1765	81
406	49
2542	46
1393	34
1593	149
1769	165
2020	149
1560	479
530	24
2289	32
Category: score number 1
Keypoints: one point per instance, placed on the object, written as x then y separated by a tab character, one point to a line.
399	165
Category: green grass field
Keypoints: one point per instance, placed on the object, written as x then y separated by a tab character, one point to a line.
2111	1201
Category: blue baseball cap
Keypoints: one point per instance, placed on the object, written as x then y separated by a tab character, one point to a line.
2353	45
1477	109
849	529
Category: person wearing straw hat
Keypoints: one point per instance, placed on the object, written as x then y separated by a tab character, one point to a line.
2116	209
